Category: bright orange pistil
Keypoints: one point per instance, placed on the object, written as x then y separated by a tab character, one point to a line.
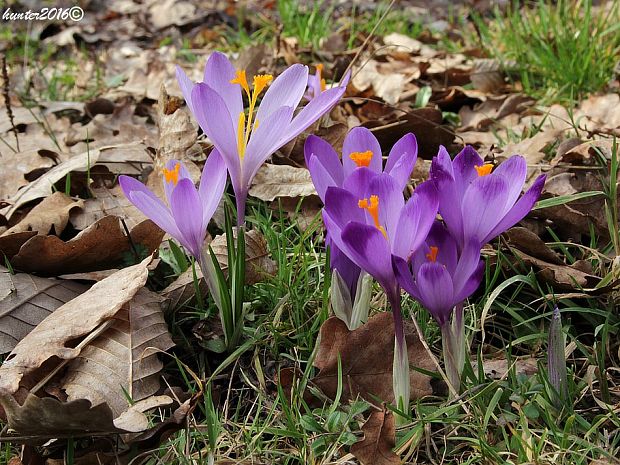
373	209
484	169
259	82
319	71
172	175
432	255
361	158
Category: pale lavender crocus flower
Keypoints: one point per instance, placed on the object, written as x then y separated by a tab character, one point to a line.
247	139
316	83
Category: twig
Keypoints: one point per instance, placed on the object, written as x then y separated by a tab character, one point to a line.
7	99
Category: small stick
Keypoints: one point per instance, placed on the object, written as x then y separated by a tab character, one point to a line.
7	99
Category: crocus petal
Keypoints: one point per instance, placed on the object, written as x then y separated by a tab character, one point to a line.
148	203
404	276
214	119
482	205
519	211
186	86
311	112
435	291
361	139
187	213
262	144
358	182
463	166
451	198
219	71
169	185
514	170
326	156
447	253
321	178
416	220
212	185
348	270
391	202
341	205
370	251
285	91
469	261
402	158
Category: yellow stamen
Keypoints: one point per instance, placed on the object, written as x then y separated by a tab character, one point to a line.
172	175
373	209
432	255
361	158
319	72
259	82
242	80
484	169
241	135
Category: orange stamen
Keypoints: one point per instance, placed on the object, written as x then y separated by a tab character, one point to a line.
373	209
241	79
319	72
172	175
432	255
484	169
361	158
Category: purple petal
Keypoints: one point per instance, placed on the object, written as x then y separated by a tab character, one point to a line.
519	211
186	86
219	71
183	174
187	213
262	143
464	168
391	202
483	204
370	251
361	139
404	276
447	253
469	262
348	270
435	291
212	185
402	158
321	178
342	207
450	199
326	156
358	183
285	91
416	220
514	170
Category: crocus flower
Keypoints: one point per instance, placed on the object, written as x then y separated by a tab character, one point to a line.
316	83
247	139
477	201
441	278
369	222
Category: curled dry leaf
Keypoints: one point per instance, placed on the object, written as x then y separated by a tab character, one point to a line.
26	300
122	361
17	166
71	321
498	368
258	266
379	440
49	217
366	355
273	181
101	246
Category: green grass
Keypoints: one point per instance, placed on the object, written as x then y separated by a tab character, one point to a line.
558	50
309	22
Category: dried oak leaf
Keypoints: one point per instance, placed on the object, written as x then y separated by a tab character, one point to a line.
26	300
123	360
258	265
366	356
49	217
101	246
273	181
71	321
379	440
17	165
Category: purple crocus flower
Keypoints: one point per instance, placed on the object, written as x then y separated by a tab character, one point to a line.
316	83
477	201
246	140
189	211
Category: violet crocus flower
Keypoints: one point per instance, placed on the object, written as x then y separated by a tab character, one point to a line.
369	222
247	139
316	83
477	201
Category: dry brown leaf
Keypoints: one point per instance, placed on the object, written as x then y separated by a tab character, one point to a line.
498	368
49	217
258	266
101	246
42	186
123	361
379	440
16	166
73	320
533	148
388	87
530	243
273	181
26	300
493	110
601	111
10	244
366	356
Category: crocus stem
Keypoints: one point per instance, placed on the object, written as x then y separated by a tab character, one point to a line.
208	271
240	199
450	357
458	331
400	367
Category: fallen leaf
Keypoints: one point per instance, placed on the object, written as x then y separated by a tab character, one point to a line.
530	243
101	246
17	166
73	320
26	300
122	361
49	217
601	111
379	440
497	368
366	355
533	148
492	110
273	181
